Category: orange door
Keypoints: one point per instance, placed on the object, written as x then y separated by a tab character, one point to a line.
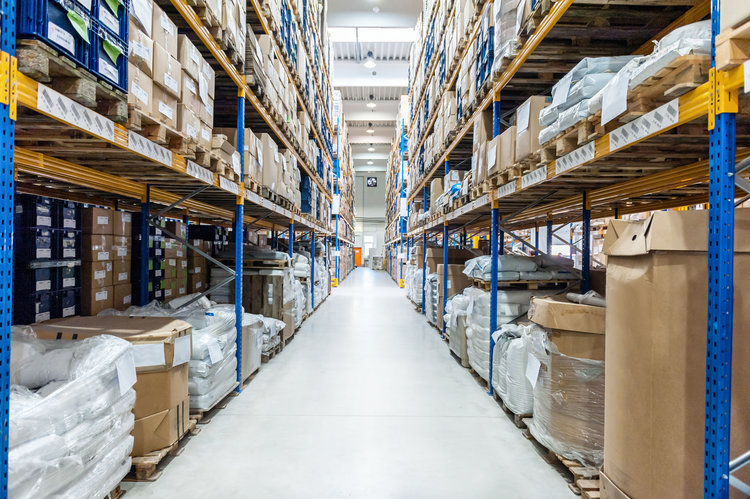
357	257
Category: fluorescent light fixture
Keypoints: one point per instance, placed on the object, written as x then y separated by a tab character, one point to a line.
370	61
371	105
370	129
369	162
371	149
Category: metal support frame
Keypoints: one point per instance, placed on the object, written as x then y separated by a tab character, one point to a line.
290	250
446	241
424	268
143	269
586	251
494	243
239	239
312	270
719	331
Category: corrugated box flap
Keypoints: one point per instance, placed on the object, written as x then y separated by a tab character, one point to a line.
133	329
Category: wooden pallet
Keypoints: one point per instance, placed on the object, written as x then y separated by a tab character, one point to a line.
250	378
160	133
260	263
733	47
525	284
518	419
149	468
252	185
116	493
290	338
204	416
44	64
266	357
479	379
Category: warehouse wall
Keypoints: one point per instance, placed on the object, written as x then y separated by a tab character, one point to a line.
369	204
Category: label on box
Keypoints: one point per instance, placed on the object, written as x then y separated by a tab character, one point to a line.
181	350
192	131
68	311
109	20
122	251
203	88
197	270
43	285
157	251
101	295
582	155
336	205
170	82
122	276
183	264
44	221
662	117
190	85
125	366
166	110
491	157
179	253
108	70
205	134
210	109
158	294
166	24
615	97
126	299
102	255
507	189
336	252
214	352
68	223
142	145
140	94
143	11
172	262
102	220
141	50
534	177
199	285
69	282
236	166
167	293
64	109
61	37
157	273
182	291
44	316
195	55
100	274
108	265
69	253
44	253
522	117
126	218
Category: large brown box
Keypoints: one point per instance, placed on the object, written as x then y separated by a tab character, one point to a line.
163	30
94	300
457	282
123	224
97	221
197	282
96	274
96	248
527	126
288	319
264	295
576	329
121	269
140	89
123	296
435	257
122	247
656	354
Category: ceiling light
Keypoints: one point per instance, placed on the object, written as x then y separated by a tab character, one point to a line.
371	103
370	129
371	149
369	162
370	61
376	9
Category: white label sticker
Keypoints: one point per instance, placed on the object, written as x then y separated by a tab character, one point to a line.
44	316
122	276
157	252
149	354
69	282
205	134
69	253
61	37
615	97
214	352
182	291
562	89
662	117
191	131
236	166
68	311
166	110
44	253
491	157
746	68
532	369
101	295
44	221
126	218
404	207
102	255
170	82
172	262
126	299
157	273
100	274
151	150
71	112
141	50
109	70
181	350
190	85
69	223
125	371
203	88
102	220
534	177
582	155
122	251
143	10
140	94
197	270
109	20
167	293
166	24
195	55
199	284
522	117
43	285
210	109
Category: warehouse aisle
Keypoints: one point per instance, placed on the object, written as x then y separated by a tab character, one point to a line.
365	402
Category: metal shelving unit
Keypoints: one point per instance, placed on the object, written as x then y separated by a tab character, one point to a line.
577	191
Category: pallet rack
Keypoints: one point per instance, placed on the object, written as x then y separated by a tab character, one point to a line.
607	183
50	150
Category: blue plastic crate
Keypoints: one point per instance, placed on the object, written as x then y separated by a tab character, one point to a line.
116	21
34	211
67	277
28	281
67	303
109	57
35	307
67	214
34	244
67	244
63	24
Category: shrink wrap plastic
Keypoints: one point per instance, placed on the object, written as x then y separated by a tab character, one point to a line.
510	359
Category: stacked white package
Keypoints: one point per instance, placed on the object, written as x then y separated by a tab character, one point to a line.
271	337
300	304
431	297
71	414
509	360
322	281
519	267
301	265
509	16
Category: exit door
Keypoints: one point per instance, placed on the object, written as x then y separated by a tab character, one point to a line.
357	257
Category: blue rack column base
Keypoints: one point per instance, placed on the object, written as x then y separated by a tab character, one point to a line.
586	243
494	243
312	271
424	268
238	311
445	275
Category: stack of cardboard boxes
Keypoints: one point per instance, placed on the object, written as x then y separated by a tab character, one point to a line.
175	261
106	258
197	266
482	135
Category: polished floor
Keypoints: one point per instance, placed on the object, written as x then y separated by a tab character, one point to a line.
366	402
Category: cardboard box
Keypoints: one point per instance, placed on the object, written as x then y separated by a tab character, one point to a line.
169	287
436	189
288	318
177	228
96	248
122	296
96	274
252	345
189	89
167	71
733	13
140	50
270	162
435	257
204	139
161	429
140	89
97	221
174	249
123	224
122	247
121	271
94	300
197	282
163	32
576	329
207	78
457	282
189	57
657	293
187	122
142	12
507	149
164	107
527	126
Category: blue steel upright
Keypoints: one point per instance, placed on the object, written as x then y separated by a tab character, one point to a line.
7	188
586	247
494	242
549	237
145	257
291	238
424	267
720	294
239	238
312	270
445	274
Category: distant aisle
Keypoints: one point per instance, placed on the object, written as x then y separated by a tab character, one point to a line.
365	402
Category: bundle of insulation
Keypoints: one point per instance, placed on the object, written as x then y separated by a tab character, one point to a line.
252	349
455	321
299	303
511	305
509	16
271	329
301	265
431	297
322	280
571	95
509	362
568	401
519	267
70	415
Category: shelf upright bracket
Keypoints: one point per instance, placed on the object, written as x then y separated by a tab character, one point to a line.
549	236
239	234
7	119
721	192
446	241
496	118
312	270
494	243
424	268
291	238
144	242
586	245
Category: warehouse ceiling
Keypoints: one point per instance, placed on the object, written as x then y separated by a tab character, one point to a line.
383	31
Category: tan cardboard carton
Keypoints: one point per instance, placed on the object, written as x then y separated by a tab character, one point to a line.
140	89
96	247
120	271
164	107
140	50
163	31
189	56
576	329
187	122
190	96
527	126
94	300
96	274
167	71
97	221
122	223
122	296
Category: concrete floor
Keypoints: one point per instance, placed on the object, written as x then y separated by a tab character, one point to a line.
365	402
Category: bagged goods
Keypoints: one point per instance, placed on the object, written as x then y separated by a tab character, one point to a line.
514	267
70	415
509	369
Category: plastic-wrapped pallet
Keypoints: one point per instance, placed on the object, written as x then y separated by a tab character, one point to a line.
455	319
509	369
568	401
299	303
271	329
509	16
431	298
518	267
70	416
301	265
322	281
